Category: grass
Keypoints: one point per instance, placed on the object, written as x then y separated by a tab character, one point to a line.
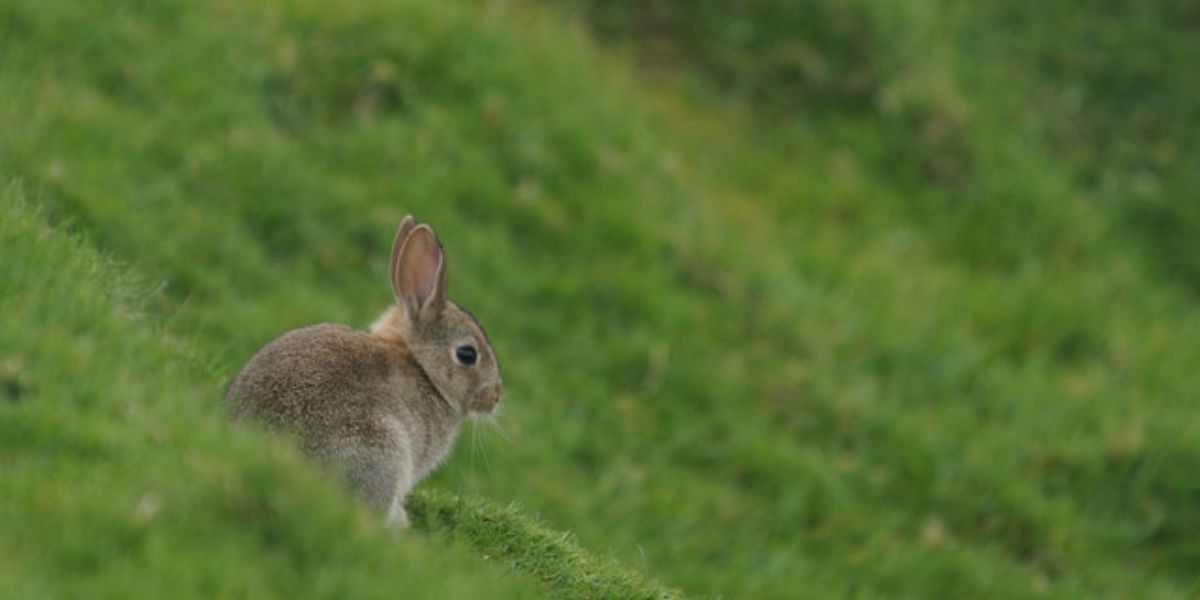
508	535
875	327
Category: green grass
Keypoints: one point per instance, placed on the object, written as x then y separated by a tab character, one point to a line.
797	303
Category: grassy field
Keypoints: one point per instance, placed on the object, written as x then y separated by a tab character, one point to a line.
858	298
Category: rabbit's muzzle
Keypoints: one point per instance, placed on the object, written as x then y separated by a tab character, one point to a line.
487	399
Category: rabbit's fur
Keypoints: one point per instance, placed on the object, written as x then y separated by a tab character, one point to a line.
381	406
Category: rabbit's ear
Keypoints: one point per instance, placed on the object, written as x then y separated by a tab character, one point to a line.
406	227
421	274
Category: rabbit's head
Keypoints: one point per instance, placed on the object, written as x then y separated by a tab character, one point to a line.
445	340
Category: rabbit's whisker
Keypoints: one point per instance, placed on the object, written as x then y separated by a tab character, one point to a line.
474	444
498	428
483	452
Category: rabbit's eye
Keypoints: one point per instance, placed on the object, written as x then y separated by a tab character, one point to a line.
466	355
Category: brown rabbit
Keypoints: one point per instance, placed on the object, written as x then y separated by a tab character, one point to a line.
383	406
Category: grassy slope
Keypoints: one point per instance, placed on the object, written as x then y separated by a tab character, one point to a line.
1019	317
740	372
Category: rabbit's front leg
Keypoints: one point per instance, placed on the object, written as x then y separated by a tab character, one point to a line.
397	517
378	475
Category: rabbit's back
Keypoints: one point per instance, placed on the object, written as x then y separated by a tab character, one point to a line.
323	381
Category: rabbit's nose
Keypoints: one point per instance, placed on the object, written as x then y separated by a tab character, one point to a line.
489	398
494	393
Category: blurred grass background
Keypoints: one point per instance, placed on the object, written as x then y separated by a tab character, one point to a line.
848	297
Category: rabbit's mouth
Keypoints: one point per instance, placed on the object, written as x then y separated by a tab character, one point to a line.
486	400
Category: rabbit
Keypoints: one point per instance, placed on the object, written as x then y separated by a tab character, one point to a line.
381	406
